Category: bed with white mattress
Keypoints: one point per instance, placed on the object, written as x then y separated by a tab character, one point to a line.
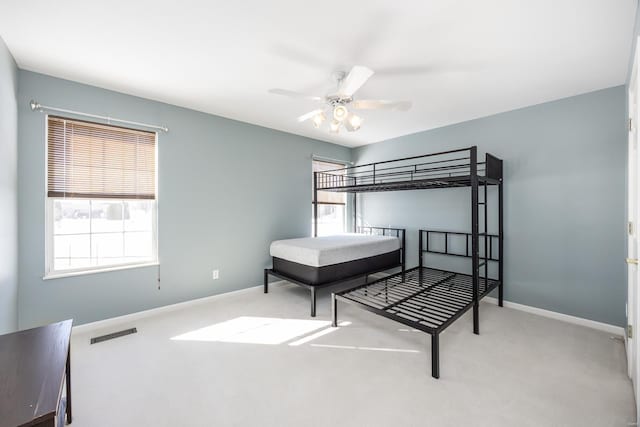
315	262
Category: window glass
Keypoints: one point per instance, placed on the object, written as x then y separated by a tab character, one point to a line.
331	205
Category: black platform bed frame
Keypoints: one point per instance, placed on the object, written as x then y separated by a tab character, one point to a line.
344	269
426	298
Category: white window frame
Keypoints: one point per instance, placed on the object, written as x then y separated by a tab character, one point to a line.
50	272
338	163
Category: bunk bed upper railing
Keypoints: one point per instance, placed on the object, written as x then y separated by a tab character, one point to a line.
443	169
459	150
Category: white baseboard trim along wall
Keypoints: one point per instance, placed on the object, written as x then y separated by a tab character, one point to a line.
128	318
611	329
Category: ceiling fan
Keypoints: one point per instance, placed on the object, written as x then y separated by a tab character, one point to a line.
338	104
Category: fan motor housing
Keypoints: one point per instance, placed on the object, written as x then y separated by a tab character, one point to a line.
335	100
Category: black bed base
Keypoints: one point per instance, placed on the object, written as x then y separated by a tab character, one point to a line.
319	276
313	288
427	299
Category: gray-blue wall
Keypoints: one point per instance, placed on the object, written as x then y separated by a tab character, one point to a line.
8	192
564	200
226	190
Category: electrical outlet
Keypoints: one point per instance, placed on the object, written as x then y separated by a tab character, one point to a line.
216	274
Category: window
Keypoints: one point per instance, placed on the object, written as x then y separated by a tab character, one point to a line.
101	197
331	206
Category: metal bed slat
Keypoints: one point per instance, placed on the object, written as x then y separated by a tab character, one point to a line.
446	305
421	316
375	298
400	290
429	294
417	319
439	320
413	319
405	289
379	296
383	305
419	310
397	292
452	295
436	305
366	302
455	294
441	296
441	300
422	290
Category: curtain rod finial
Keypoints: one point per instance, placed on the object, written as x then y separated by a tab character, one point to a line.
35	106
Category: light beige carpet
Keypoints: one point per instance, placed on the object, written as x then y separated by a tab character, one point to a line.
250	359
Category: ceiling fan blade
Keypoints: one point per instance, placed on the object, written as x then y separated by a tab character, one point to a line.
292	94
380	104
354	80
309	115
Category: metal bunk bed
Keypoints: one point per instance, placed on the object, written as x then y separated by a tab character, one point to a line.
429	299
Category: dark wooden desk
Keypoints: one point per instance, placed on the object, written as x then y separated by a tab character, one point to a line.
35	367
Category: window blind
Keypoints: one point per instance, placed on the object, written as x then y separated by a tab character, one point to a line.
90	160
330	197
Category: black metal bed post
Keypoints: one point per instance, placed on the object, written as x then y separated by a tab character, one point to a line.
435	356
500	245
266	280
420	253
404	256
355	212
334	310
473	159
315	204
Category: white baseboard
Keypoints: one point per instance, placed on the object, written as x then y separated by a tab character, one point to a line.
128	318
611	329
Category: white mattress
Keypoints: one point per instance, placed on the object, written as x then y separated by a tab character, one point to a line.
328	250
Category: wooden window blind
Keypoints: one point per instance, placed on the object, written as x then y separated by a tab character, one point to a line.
90	160
330	197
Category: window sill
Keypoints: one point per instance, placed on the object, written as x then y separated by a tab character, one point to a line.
60	275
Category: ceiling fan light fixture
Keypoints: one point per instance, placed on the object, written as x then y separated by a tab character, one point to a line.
340	113
353	122
334	127
335	108
318	119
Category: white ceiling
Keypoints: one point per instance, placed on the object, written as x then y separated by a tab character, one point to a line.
456	60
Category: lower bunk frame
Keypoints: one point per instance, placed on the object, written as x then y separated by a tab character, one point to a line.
428	299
